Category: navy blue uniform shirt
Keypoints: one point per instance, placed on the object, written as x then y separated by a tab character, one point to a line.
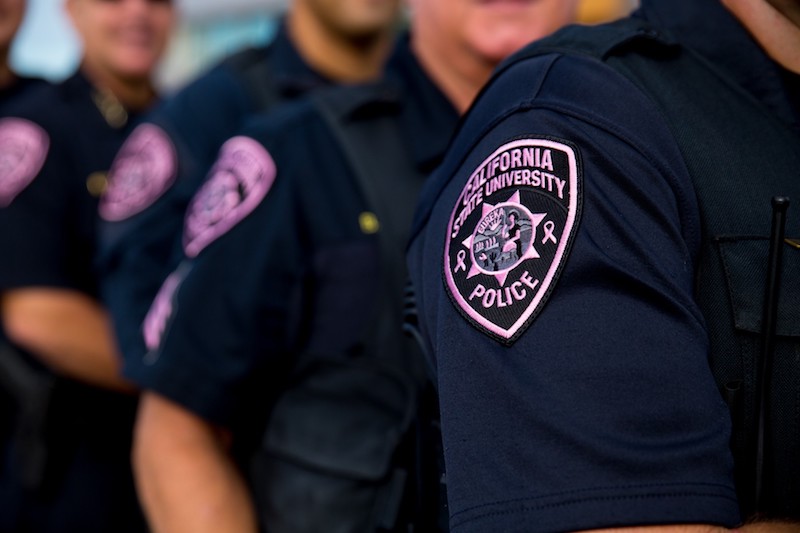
21	86
292	266
163	164
9	95
56	150
574	381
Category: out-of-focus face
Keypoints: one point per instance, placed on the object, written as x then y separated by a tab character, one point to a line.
356	18
11	12
491	29
125	38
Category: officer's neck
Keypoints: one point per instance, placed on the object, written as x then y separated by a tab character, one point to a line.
459	75
777	31
7	76
338	57
135	94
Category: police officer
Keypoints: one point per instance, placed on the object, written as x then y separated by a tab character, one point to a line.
11	84
286	247
12	87
68	467
319	42
577	382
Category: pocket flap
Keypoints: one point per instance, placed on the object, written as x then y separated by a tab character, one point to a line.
745	260
344	417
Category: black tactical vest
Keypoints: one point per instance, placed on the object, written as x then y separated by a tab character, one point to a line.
346	443
739	156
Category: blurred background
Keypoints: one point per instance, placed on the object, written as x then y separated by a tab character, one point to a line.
209	29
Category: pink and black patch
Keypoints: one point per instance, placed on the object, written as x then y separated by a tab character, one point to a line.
23	150
510	234
155	323
142	171
239	181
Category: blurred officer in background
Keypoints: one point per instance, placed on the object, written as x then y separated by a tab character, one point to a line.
166	159
290	294
67	466
11	85
583	384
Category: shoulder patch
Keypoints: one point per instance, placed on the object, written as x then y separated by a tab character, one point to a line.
144	168
511	232
239	180
155	323
23	149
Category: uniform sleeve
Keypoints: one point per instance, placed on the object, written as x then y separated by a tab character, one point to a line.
572	362
35	218
217	328
158	170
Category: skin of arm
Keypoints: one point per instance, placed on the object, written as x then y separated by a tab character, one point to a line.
67	330
186	479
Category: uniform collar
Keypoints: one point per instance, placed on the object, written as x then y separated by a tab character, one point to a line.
293	76
426	110
77	88
731	49
18	86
